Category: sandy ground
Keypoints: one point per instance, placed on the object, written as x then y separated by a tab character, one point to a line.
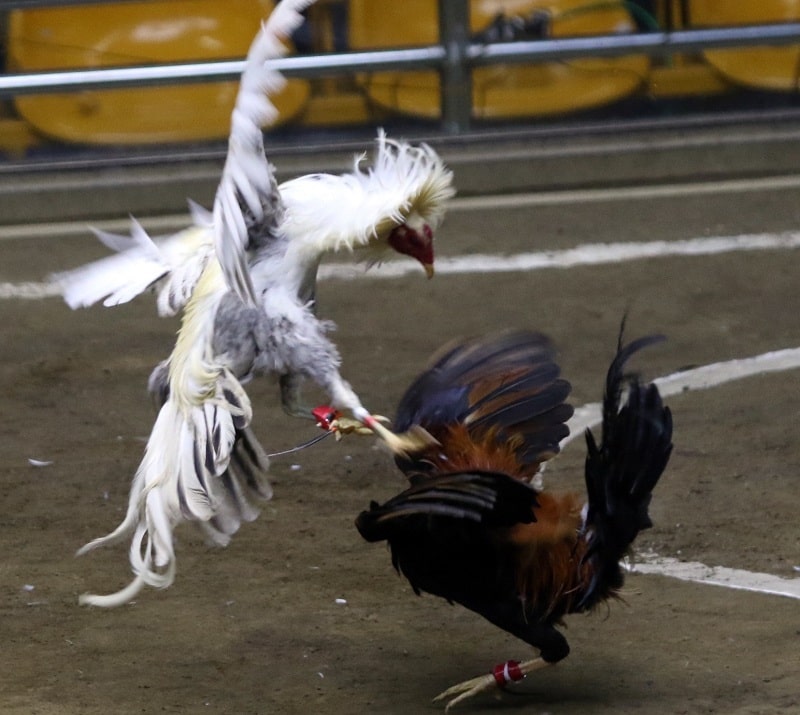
258	627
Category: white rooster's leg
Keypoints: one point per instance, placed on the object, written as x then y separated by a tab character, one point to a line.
501	675
291	397
414	440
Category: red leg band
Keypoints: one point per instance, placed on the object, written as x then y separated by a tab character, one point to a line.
324	415
507	672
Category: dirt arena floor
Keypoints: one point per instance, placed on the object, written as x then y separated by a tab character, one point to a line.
298	615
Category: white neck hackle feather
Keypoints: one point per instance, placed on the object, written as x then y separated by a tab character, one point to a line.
344	212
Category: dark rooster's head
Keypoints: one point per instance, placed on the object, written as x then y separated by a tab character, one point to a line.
414	242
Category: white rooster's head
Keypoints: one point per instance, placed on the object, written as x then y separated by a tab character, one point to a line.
415	185
397	203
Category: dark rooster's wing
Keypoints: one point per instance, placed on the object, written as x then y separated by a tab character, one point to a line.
482	497
502	389
440	531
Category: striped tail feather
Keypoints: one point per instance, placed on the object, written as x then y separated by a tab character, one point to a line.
240	488
201	464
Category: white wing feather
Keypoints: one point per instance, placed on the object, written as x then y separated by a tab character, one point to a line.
247	176
170	265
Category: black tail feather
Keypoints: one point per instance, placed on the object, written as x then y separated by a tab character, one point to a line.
622	471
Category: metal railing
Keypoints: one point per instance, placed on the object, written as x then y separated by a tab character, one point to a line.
454	57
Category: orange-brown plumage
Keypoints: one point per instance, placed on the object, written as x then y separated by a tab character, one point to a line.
472	529
460	451
548	565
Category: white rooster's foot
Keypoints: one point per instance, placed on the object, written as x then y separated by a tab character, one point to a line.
349	425
332	420
501	675
415	439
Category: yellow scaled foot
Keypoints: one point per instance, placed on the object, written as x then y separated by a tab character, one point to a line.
415	439
466	690
502	675
349	425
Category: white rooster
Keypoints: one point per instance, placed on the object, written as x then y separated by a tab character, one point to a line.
245	277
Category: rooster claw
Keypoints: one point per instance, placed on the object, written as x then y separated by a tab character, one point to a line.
414	440
509	672
468	689
348	425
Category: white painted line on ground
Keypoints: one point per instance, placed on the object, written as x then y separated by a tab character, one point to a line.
28	291
622	193
703	378
175	222
699	378
716	575
154	224
590	254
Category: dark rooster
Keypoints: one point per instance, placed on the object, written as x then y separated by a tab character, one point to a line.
472	528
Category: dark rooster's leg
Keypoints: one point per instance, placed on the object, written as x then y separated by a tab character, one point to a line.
501	675
551	644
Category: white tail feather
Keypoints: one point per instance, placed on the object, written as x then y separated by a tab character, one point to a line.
120	598
180	479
